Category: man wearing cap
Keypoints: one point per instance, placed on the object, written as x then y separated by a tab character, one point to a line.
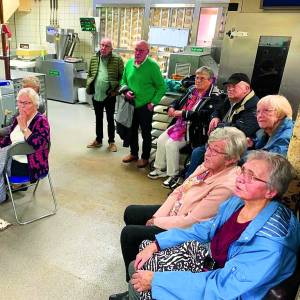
238	110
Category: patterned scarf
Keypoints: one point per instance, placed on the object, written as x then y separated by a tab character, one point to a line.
178	130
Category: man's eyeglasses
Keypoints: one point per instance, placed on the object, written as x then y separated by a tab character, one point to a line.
24	103
105	46
140	50
249	176
214	152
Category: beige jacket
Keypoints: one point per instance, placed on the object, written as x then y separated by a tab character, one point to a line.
200	202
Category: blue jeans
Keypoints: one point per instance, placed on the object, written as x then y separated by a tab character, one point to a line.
197	158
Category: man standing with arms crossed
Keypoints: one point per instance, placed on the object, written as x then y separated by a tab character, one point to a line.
105	72
146	88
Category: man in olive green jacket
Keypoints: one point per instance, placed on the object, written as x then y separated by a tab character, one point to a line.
105	72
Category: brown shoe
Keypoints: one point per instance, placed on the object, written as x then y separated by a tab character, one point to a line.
129	158
142	163
94	144
112	147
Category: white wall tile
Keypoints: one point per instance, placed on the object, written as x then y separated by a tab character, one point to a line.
31	26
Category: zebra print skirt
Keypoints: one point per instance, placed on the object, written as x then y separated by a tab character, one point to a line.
190	256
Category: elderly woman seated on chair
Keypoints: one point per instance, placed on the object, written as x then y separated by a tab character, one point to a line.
31	127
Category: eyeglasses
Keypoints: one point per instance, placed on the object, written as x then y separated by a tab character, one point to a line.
214	152
24	103
140	50
105	46
249	176
265	111
201	78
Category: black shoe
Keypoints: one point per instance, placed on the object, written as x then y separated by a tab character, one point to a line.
120	296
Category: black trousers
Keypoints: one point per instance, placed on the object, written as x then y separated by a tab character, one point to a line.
19	169
109	105
135	231
142	117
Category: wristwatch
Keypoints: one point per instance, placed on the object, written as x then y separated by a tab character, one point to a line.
24	130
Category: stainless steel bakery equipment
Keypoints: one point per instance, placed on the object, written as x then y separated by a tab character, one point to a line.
193	60
64	73
63	78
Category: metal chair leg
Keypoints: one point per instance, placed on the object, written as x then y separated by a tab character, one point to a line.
52	192
12	199
36	185
53	212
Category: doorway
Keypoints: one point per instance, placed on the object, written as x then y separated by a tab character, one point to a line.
269	64
207	26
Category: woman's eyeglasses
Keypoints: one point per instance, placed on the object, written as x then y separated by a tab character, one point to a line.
214	151
249	176
264	111
24	103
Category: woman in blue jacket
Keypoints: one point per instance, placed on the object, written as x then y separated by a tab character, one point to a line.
274	117
249	247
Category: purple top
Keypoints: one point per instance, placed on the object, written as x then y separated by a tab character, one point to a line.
228	233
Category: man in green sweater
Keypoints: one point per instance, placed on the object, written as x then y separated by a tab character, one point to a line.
105	72
146	88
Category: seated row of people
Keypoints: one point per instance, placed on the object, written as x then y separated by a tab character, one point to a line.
220	254
267	122
197	199
249	230
250	246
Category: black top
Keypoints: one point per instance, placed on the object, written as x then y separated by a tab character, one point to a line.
243	115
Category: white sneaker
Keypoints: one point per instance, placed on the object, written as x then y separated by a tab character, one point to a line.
157	174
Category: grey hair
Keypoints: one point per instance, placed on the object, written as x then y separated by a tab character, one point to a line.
236	141
34	97
31	81
207	70
281	170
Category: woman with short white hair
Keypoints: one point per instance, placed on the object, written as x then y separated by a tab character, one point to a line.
274	117
32	127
